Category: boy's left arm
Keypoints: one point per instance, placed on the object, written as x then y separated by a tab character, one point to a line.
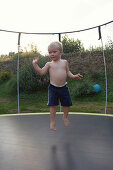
71	75
76	76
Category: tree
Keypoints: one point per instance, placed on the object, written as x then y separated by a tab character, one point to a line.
109	48
71	45
31	48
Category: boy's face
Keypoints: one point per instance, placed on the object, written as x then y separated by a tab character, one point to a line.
54	53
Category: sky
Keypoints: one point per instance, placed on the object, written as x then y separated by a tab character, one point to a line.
52	16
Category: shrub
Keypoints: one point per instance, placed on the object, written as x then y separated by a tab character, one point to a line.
83	89
11	85
4	76
96	76
30	81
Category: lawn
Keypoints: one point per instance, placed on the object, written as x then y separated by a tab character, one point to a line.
37	102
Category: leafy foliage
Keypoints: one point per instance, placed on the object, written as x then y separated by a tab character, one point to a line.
97	76
4	76
30	81
83	89
12	83
109	48
70	45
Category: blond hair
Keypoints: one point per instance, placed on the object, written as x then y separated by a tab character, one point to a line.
56	44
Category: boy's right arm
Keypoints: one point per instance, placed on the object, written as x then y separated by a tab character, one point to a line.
40	71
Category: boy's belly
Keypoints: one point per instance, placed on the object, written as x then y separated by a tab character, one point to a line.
58	78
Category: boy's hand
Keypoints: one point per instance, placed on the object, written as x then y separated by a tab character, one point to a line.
78	76
35	60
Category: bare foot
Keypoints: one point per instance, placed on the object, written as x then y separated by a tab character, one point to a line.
52	126
66	121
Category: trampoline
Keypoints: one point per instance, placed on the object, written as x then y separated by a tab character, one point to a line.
27	143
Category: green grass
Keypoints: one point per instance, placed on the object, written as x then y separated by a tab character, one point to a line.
37	102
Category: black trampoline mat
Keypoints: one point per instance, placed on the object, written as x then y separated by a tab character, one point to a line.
27	143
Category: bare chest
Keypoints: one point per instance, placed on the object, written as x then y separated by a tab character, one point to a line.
57	67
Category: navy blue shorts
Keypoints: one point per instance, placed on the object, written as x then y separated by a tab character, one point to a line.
56	94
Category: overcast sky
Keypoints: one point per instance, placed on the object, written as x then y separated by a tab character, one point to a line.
49	16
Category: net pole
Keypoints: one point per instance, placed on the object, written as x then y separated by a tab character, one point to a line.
59	38
18	72
105	74
104	58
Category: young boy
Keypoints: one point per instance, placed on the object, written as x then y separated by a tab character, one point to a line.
59	71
